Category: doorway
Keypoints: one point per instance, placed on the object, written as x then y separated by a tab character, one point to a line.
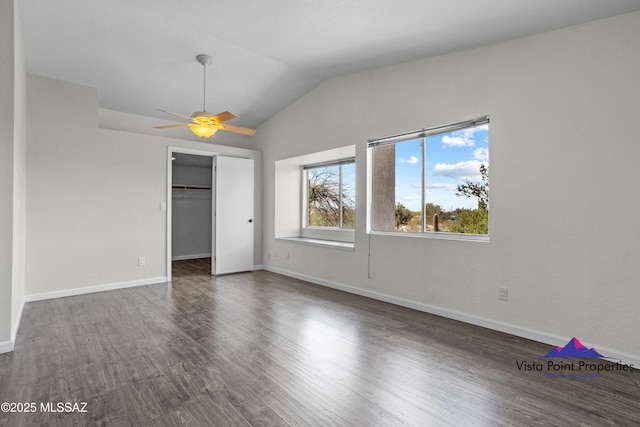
191	202
190	205
210	209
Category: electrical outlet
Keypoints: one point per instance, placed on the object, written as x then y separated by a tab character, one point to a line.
503	294
287	255
141	261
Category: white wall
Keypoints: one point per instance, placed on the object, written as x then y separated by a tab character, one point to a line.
95	194
563	155
12	173
6	164
19	178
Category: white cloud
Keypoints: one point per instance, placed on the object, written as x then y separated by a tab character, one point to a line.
481	154
407	198
412	160
457	141
463	170
463	138
411	202
442	186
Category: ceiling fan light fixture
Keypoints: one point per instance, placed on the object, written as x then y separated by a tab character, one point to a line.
205	124
203	130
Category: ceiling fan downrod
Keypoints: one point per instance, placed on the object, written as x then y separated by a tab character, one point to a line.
204	60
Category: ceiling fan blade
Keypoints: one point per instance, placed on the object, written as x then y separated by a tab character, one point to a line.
171	126
224	117
174	114
238	129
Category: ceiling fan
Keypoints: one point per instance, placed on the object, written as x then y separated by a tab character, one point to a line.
203	123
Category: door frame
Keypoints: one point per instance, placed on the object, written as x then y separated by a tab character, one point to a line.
170	151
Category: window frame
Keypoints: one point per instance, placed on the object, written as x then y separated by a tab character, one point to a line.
422	134
288	203
340	233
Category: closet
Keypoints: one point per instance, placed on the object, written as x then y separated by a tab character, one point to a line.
191	198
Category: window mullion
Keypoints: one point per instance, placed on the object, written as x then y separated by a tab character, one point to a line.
305	199
424	184
340	198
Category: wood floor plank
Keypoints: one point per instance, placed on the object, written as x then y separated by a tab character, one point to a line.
260	349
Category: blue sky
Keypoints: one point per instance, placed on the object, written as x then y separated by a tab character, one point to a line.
451	157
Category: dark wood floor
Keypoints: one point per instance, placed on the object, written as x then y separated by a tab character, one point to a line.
266	350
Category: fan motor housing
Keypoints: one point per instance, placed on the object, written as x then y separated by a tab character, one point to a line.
201	114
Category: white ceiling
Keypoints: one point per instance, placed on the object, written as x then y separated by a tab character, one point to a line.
140	54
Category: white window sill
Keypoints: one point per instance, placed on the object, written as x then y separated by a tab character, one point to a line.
333	244
333	234
438	236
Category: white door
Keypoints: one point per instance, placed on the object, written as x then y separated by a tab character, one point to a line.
233	220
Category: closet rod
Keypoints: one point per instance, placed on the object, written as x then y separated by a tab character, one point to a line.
191	187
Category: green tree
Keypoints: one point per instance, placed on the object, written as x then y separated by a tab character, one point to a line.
403	215
474	221
431	210
348	216
471	221
477	189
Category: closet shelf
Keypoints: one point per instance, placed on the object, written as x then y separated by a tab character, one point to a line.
191	187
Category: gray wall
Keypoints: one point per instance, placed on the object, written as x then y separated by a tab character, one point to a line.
95	194
19	178
12	172
563	155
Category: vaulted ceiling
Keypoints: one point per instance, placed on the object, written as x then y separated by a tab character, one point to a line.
140	54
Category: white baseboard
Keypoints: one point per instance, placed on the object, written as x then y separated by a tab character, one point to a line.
258	267
91	289
185	257
540	336
6	346
14	332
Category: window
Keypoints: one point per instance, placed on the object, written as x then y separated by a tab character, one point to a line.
291	202
434	180
330	194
